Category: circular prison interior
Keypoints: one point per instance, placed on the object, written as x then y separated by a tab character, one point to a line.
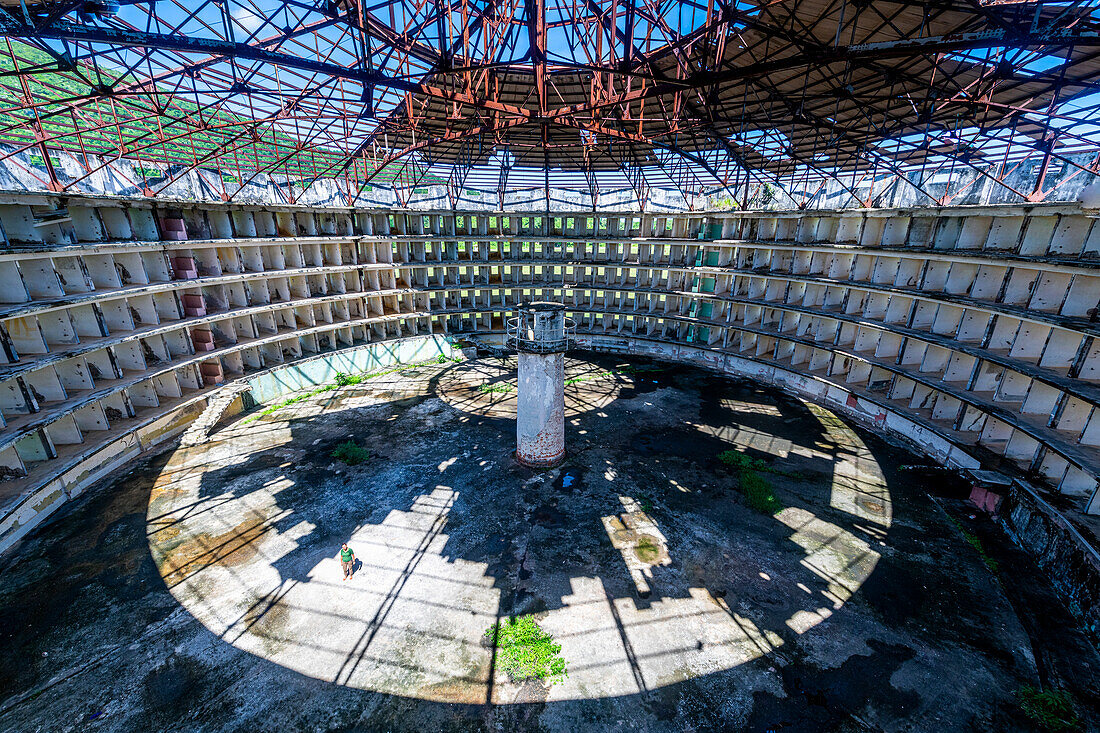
698	523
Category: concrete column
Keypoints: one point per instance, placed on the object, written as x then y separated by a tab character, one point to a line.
540	416
539	335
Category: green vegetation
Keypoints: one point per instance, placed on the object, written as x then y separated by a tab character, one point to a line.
351	453
738	460
495	388
343	380
280	405
149	173
756	489
647	549
759	493
1051	710
976	543
525	651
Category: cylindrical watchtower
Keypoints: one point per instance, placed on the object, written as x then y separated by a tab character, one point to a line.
541	334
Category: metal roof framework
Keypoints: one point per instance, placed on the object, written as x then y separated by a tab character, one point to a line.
495	95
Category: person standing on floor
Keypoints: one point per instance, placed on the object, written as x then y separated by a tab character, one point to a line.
347	561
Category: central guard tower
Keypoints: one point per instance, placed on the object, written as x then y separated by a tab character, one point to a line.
541	334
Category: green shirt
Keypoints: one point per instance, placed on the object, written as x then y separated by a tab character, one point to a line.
346	555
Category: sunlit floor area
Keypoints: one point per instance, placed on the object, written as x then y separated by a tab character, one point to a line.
713	555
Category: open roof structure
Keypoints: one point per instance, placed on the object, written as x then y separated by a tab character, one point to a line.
488	96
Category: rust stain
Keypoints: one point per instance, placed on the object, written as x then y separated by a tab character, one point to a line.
231	548
456	690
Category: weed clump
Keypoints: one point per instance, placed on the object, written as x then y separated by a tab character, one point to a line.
343	380
756	489
351	453
736	459
525	651
1051	710
758	492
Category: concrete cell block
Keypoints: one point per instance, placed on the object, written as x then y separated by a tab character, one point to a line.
1083	296
1004	232
1037	235
1069	236
18	224
143	224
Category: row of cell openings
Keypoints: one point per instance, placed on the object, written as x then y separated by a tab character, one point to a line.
629	300
654	327
428	251
588	275
23	398
71	428
1036	404
241	258
661	329
1060	351
1074	418
53	330
233	363
50	332
1058	235
200	223
83	370
41	277
474	322
1049	235
890	306
53	225
590	225
34	390
1052	406
1047	405
1051	291
1041	344
452	300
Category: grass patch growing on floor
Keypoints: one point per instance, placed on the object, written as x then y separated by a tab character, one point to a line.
351	453
525	651
1051	710
974	541
758	492
343	380
757	489
647	549
738	460
495	388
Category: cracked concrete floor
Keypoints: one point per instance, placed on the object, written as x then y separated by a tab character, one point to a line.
203	592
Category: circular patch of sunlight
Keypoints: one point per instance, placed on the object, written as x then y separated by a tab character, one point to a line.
488	386
412	620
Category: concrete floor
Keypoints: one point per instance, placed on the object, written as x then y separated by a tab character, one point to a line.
202	592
